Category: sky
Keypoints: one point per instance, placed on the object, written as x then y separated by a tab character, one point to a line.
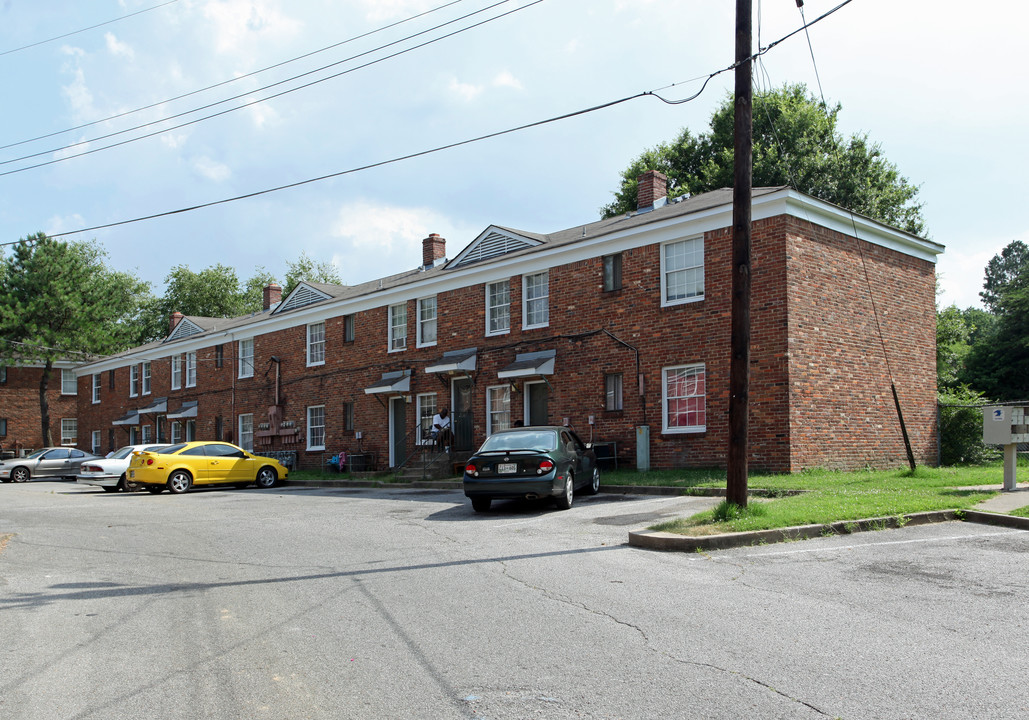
938	86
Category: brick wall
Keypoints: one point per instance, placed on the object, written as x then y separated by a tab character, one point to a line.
19	405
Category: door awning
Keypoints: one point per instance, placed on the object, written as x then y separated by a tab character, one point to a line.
391	382
529	364
455	361
129	418
157	406
188	410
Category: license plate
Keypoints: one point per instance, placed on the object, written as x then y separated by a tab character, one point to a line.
507	468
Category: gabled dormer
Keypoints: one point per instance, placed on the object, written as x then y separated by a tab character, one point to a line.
493	242
183	327
303	294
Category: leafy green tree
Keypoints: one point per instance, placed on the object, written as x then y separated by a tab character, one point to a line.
304	269
961	427
59	300
998	364
1001	271
796	143
253	289
212	292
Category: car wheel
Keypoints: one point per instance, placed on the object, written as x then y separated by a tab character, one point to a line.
110	488
20	474
266	477
124	484
155	489
179	482
564	500
481	504
594	485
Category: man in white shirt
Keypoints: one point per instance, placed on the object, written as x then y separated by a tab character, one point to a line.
440	431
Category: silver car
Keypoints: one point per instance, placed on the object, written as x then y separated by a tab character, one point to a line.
60	462
109	472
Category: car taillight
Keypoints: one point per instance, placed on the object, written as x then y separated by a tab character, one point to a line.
149	461
545	467
471	469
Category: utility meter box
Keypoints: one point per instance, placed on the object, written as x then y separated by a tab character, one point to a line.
1005	424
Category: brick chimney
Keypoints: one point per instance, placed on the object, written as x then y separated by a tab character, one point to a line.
652	187
433	248
272	296
176	318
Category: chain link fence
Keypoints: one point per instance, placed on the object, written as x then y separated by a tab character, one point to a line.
961	434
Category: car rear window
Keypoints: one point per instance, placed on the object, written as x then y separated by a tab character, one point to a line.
544	440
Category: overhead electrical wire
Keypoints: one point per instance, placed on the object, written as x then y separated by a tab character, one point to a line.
91	27
233	79
423	152
266	87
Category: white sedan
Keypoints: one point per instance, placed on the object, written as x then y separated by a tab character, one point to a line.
109	473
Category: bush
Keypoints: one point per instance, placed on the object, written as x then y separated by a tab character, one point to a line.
961	428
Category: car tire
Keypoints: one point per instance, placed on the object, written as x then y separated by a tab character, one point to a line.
594	485
565	499
124	485
266	477
155	489
20	474
481	504
110	488
179	482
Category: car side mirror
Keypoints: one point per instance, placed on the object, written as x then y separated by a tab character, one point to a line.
589	446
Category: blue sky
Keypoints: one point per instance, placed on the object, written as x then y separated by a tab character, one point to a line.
940	90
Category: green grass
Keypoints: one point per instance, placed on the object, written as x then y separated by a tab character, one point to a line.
833	496
1021	512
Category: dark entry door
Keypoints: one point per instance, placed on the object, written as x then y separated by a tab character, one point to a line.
462	414
536	396
397	430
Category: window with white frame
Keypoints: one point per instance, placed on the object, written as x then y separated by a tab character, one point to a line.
316	344
145	434
684	399
146	378
498	307
427	408
246	432
426	322
246	358
94	445
69	431
397	327
191	369
613	391
316	427
536	300
498	408
69	385
96	388
176	432
682	271
176	372
133	380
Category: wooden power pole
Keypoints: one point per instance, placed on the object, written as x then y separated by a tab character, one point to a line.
739	366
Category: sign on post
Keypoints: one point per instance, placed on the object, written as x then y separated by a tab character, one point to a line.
1006	425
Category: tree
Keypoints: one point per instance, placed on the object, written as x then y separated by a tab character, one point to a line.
998	364
1001	271
59	300
795	143
304	269
212	292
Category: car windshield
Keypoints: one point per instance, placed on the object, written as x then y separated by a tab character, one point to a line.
121	453
521	440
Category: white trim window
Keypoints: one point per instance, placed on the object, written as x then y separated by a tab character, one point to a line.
427	409
536	300
498	307
246	432
682	271
96	388
427	321
246	358
176	372
398	327
69	431
316	344
133	380
145	434
146	378
69	384
316	427
684	399
191	369
94	446
498	408
176	432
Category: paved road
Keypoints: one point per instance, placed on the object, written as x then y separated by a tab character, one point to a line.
298	603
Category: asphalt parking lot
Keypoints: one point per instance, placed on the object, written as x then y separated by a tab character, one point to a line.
346	603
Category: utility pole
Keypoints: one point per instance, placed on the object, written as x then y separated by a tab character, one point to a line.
739	365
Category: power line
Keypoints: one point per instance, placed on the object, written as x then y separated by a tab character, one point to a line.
91	27
260	100
230	80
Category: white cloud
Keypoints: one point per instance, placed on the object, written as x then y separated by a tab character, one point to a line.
117	48
174	141
506	79
241	25
78	94
64	223
211	169
465	91
378	10
262	114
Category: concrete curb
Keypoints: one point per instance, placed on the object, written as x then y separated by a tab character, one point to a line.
683	543
613	489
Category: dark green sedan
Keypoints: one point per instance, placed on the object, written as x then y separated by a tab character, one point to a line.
530	463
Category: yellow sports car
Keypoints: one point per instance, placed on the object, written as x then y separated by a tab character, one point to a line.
178	467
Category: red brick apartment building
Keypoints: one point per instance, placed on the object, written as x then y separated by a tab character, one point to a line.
20	427
619	328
